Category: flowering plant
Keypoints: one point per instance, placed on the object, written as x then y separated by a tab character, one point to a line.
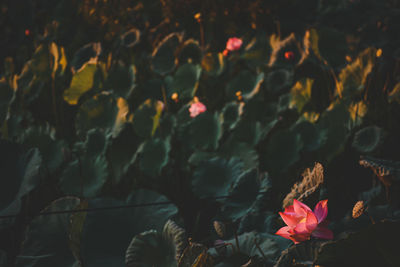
232	44
196	108
302	222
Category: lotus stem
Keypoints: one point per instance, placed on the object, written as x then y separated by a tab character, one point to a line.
259	249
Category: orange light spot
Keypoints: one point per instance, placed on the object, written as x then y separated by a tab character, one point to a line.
195	99
175	97
239	95
289	55
225	53
27	32
348	58
379	52
197	16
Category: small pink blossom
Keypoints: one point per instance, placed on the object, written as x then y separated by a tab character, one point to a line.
196	108
233	44
302	222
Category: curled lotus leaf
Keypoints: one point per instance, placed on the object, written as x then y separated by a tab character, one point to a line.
130	38
368	139
163	58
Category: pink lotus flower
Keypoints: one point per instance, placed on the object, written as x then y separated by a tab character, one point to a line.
233	44
302	222
196	108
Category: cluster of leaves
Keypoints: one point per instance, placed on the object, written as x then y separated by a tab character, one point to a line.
92	122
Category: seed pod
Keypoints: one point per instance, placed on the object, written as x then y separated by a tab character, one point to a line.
358	209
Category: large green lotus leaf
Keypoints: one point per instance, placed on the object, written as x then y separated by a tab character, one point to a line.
86	54
20	175
368	139
279	81
190	52
31	85
352	78
245	82
47	238
372	246
300	94
312	137
52	150
130	38
146	118
121	79
213	63
268	244
243	193
215	176
40	62
231	114
102	111
106	234
205	130
257	51
95	143
167	127
150	249
282	151
247	131
6	93
82	81
334	123
199	156
154	156
85	176
121	150
185	81
243	151
163	59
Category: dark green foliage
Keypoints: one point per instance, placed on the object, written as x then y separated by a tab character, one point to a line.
282	151
97	103
46	240
245	82
214	177
118	226
154	156
368	139
163	58
20	172
185	80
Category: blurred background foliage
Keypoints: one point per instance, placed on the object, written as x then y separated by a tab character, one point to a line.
94	99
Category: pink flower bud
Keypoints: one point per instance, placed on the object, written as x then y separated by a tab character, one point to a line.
196	108
234	44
